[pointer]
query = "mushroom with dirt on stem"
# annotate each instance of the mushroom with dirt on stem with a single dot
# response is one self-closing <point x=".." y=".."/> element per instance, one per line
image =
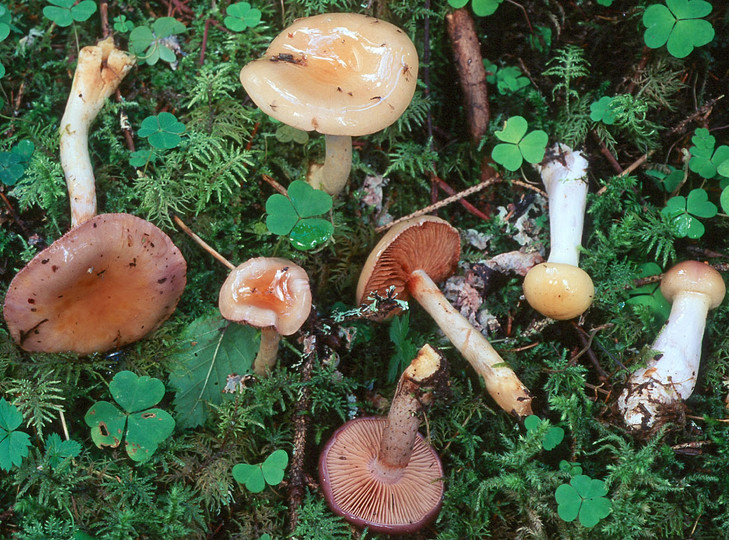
<point x="670" y="375"/>
<point x="379" y="472"/>
<point x="559" y="288"/>
<point x="340" y="74"/>
<point x="411" y="257"/>
<point x="269" y="293"/>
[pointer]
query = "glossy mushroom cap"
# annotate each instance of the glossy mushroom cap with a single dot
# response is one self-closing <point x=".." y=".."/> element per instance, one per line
<point x="356" y="491"/>
<point x="426" y="243"/>
<point x="694" y="277"/>
<point x="267" y="292"/>
<point x="557" y="290"/>
<point x="337" y="73"/>
<point x="106" y="283"/>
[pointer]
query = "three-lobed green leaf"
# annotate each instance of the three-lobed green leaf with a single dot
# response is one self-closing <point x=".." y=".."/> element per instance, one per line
<point x="13" y="444"/>
<point x="64" y="12"/>
<point x="583" y="498"/>
<point x="241" y="16"/>
<point x="163" y="131"/>
<point x="518" y="145"/>
<point x="679" y="25"/>
<point x="553" y="435"/>
<point x="148" y="43"/>
<point x="682" y="212"/>
<point x="295" y="215"/>
<point x="255" y="477"/>
<point x="141" y="425"/>
<point x="705" y="158"/>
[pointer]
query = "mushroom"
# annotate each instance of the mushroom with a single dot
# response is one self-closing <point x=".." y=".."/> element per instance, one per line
<point x="379" y="472"/>
<point x="104" y="284"/>
<point x="411" y="257"/>
<point x="559" y="288"/>
<point x="340" y="74"/>
<point x="271" y="294"/>
<point x="670" y="374"/>
<point x="99" y="71"/>
<point x="114" y="277"/>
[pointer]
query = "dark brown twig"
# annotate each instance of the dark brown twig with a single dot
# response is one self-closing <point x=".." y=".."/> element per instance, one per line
<point x="442" y="184"/>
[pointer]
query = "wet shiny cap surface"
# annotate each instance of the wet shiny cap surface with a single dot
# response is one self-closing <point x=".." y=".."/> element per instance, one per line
<point x="336" y="73"/>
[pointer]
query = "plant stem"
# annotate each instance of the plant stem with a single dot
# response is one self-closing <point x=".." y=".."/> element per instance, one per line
<point x="332" y="176"/>
<point x="203" y="244"/>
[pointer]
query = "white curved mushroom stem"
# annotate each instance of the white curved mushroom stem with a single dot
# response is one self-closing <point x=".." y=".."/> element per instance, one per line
<point x="414" y="392"/>
<point x="501" y="381"/>
<point x="670" y="375"/>
<point x="99" y="71"/>
<point x="267" y="351"/>
<point x="564" y="177"/>
<point x="332" y="175"/>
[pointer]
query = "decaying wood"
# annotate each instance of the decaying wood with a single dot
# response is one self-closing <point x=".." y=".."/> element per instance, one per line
<point x="469" y="62"/>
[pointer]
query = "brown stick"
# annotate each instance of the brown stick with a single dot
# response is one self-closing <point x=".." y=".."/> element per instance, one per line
<point x="203" y="244"/>
<point x="442" y="184"/>
<point x="469" y="62"/>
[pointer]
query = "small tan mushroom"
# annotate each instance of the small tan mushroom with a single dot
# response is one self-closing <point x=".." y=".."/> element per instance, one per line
<point x="104" y="284"/>
<point x="271" y="294"/>
<point x="411" y="257"/>
<point x="379" y="472"/>
<point x="340" y="74"/>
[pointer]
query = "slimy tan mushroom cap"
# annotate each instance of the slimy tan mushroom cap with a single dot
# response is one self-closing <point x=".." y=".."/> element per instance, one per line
<point x="694" y="277"/>
<point x="106" y="283"/>
<point x="336" y="73"/>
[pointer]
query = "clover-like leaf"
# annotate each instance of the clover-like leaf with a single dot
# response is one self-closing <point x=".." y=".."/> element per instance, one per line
<point x="64" y="13"/>
<point x="551" y="437"/>
<point x="705" y="159"/>
<point x="678" y="25"/>
<point x="295" y="215"/>
<point x="724" y="200"/>
<point x="162" y="131"/>
<point x="518" y="144"/>
<point x="650" y="295"/>
<point x="167" y="26"/>
<point x="698" y="204"/>
<point x="484" y="8"/>
<point x="583" y="497"/>
<point x="668" y="181"/>
<point x="241" y="16"/>
<point x="286" y="133"/>
<point x="13" y="444"/>
<point x="601" y="111"/>
<point x="681" y="212"/>
<point x="11" y="168"/>
<point x="147" y="43"/>
<point x="255" y="477"/>
<point x="142" y="426"/>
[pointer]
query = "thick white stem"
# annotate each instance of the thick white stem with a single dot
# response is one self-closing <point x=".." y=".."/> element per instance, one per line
<point x="99" y="71"/>
<point x="501" y="381"/>
<point x="332" y="175"/>
<point x="671" y="375"/>
<point x="564" y="178"/>
<point x="267" y="351"/>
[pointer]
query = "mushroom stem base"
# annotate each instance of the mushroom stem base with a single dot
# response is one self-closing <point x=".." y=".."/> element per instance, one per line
<point x="501" y="381"/>
<point x="332" y="175"/>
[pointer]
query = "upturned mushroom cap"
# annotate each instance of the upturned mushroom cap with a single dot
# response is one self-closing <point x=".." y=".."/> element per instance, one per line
<point x="354" y="490"/>
<point x="267" y="292"/>
<point x="337" y="73"/>
<point x="426" y="243"/>
<point x="557" y="290"/>
<point x="694" y="277"/>
<point x="106" y="283"/>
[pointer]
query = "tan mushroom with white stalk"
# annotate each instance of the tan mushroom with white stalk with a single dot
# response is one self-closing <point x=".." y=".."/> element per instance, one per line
<point x="670" y="374"/>
<point x="269" y="293"/>
<point x="559" y="288"/>
<point x="340" y="74"/>
<point x="379" y="472"/>
<point x="113" y="278"/>
<point x="411" y="257"/>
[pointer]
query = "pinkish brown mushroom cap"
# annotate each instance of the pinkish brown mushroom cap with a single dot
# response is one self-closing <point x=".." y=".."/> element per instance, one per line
<point x="104" y="284"/>
<point x="267" y="292"/>
<point x="354" y="490"/>
<point x="336" y="73"/>
<point x="426" y="243"/>
<point x="694" y="277"/>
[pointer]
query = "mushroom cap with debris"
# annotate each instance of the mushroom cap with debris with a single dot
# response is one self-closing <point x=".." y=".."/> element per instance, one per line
<point x="336" y="73"/>
<point x="104" y="284"/>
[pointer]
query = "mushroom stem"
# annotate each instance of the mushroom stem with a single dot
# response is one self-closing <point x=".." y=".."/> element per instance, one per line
<point x="267" y="351"/>
<point x="564" y="178"/>
<point x="501" y="381"/>
<point x="671" y="374"/>
<point x="414" y="392"/>
<point x="99" y="71"/>
<point x="332" y="175"/>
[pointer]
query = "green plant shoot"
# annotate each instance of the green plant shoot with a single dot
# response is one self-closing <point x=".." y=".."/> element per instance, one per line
<point x="705" y="158"/>
<point x="552" y="436"/>
<point x="241" y="16"/>
<point x="13" y="444"/>
<point x="294" y="215"/>
<point x="141" y="425"/>
<point x="14" y="163"/>
<point x="678" y="25"/>
<point x="149" y="44"/>
<point x="518" y="145"/>
<point x="682" y="213"/>
<point x="255" y="477"/>
<point x="602" y="111"/>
